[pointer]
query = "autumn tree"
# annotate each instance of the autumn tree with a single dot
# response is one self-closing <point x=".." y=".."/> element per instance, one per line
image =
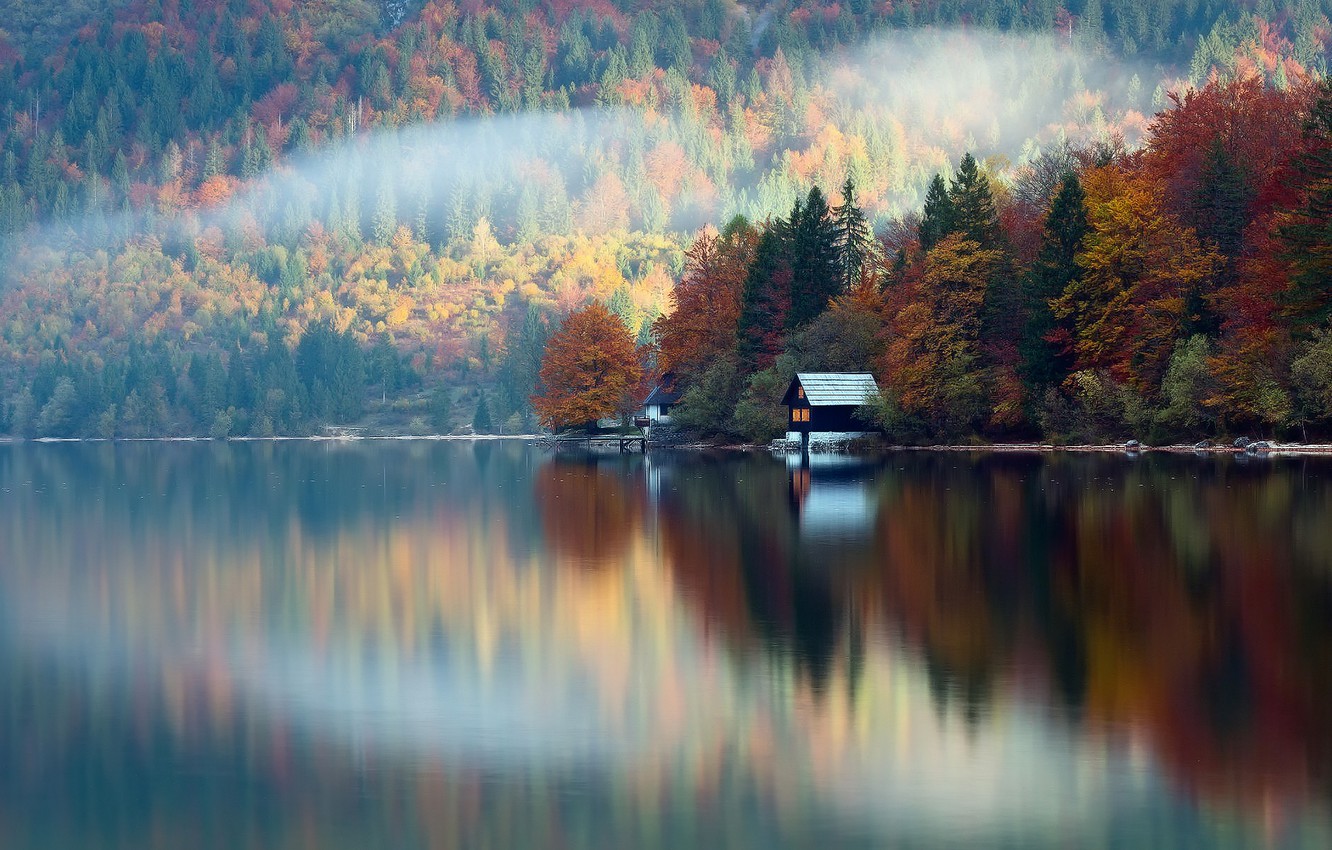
<point x="591" y="370"/>
<point x="705" y="303"/>
<point x="933" y="359"/>
<point x="1139" y="266"/>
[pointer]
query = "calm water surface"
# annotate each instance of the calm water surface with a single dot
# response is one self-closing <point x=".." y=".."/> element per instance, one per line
<point x="478" y="645"/>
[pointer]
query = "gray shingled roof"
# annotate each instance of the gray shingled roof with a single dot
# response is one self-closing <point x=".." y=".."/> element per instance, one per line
<point x="838" y="388"/>
<point x="662" y="394"/>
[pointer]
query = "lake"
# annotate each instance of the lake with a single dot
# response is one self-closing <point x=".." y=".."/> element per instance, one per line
<point x="453" y="644"/>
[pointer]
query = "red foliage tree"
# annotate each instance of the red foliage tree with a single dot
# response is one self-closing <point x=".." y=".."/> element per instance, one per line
<point x="705" y="304"/>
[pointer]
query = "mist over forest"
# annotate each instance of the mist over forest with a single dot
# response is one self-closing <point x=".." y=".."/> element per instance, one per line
<point x="236" y="218"/>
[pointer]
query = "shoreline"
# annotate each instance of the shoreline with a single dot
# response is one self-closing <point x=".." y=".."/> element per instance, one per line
<point x="1272" y="449"/>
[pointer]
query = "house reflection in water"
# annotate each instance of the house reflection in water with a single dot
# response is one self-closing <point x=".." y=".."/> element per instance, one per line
<point x="832" y="497"/>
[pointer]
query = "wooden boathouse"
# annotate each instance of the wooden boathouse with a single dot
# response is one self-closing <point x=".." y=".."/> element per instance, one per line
<point x="822" y="405"/>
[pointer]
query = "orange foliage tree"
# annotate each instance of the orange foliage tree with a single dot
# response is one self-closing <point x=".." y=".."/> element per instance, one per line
<point x="706" y="303"/>
<point x="591" y="369"/>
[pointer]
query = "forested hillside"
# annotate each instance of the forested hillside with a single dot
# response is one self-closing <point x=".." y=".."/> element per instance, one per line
<point x="247" y="218"/>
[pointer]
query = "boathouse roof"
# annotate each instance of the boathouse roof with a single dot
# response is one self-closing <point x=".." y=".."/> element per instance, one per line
<point x="664" y="392"/>
<point x="833" y="389"/>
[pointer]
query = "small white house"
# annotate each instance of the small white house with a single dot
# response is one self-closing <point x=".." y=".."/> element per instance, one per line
<point x="664" y="396"/>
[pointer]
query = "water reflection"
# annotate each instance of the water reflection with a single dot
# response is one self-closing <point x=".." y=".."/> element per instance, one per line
<point x="424" y="644"/>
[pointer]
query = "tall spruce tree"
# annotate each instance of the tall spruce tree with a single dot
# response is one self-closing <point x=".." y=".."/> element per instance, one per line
<point x="938" y="216"/>
<point x="1219" y="212"/>
<point x="972" y="202"/>
<point x="1044" y="362"/>
<point x="766" y="301"/>
<point x="853" y="237"/>
<point x="815" y="276"/>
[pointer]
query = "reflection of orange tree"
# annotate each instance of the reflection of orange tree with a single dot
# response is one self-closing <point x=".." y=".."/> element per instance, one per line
<point x="1110" y="572"/>
<point x="1168" y="608"/>
<point x="1190" y="613"/>
<point x="587" y="514"/>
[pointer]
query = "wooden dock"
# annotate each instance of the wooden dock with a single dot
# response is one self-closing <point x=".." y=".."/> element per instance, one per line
<point x="626" y="443"/>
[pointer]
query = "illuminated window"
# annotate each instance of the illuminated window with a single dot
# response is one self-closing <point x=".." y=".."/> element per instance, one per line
<point x="800" y="392"/>
<point x="800" y="414"/>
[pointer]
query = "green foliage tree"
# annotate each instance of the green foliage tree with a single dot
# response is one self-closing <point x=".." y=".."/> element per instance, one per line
<point x="441" y="409"/>
<point x="1307" y="230"/>
<point x="938" y="217"/>
<point x="481" y="420"/>
<point x="971" y="203"/>
<point x="1311" y="374"/>
<point x="57" y="416"/>
<point x="1188" y="387"/>
<point x="766" y="301"/>
<point x="707" y="405"/>
<point x="1045" y="343"/>
<point x="759" y="414"/>
<point x="853" y="237"/>
<point x="813" y="248"/>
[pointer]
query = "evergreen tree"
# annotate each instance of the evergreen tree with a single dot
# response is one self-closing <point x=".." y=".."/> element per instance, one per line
<point x="385" y="220"/>
<point x="1220" y="212"/>
<point x="766" y="301"/>
<point x="937" y="219"/>
<point x="441" y="409"/>
<point x="214" y="163"/>
<point x="1045" y="362"/>
<point x="1308" y="231"/>
<point x="481" y="422"/>
<point x="853" y="237"/>
<point x="973" y="212"/>
<point x="813" y="249"/>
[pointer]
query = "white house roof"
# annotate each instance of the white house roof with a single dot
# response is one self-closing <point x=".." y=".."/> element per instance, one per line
<point x="838" y="388"/>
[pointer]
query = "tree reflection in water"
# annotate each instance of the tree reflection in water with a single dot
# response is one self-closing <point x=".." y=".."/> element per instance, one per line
<point x="458" y="645"/>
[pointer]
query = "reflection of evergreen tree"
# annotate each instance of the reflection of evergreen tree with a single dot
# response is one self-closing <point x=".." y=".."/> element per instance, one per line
<point x="481" y="421"/>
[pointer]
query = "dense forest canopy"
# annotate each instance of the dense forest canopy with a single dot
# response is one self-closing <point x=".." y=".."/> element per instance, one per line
<point x="190" y="189"/>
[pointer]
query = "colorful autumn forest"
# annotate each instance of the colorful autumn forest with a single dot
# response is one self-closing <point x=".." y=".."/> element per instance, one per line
<point x="245" y="218"/>
<point x="1182" y="290"/>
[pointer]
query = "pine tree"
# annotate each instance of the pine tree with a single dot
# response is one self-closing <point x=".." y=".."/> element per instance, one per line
<point x="973" y="209"/>
<point x="938" y="216"/>
<point x="766" y="301"/>
<point x="815" y="277"/>
<point x="214" y="163"/>
<point x="1307" y="231"/>
<point x="1220" y="212"/>
<point x="481" y="422"/>
<point x="1045" y="362"/>
<point x="385" y="221"/>
<point x="853" y="237"/>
